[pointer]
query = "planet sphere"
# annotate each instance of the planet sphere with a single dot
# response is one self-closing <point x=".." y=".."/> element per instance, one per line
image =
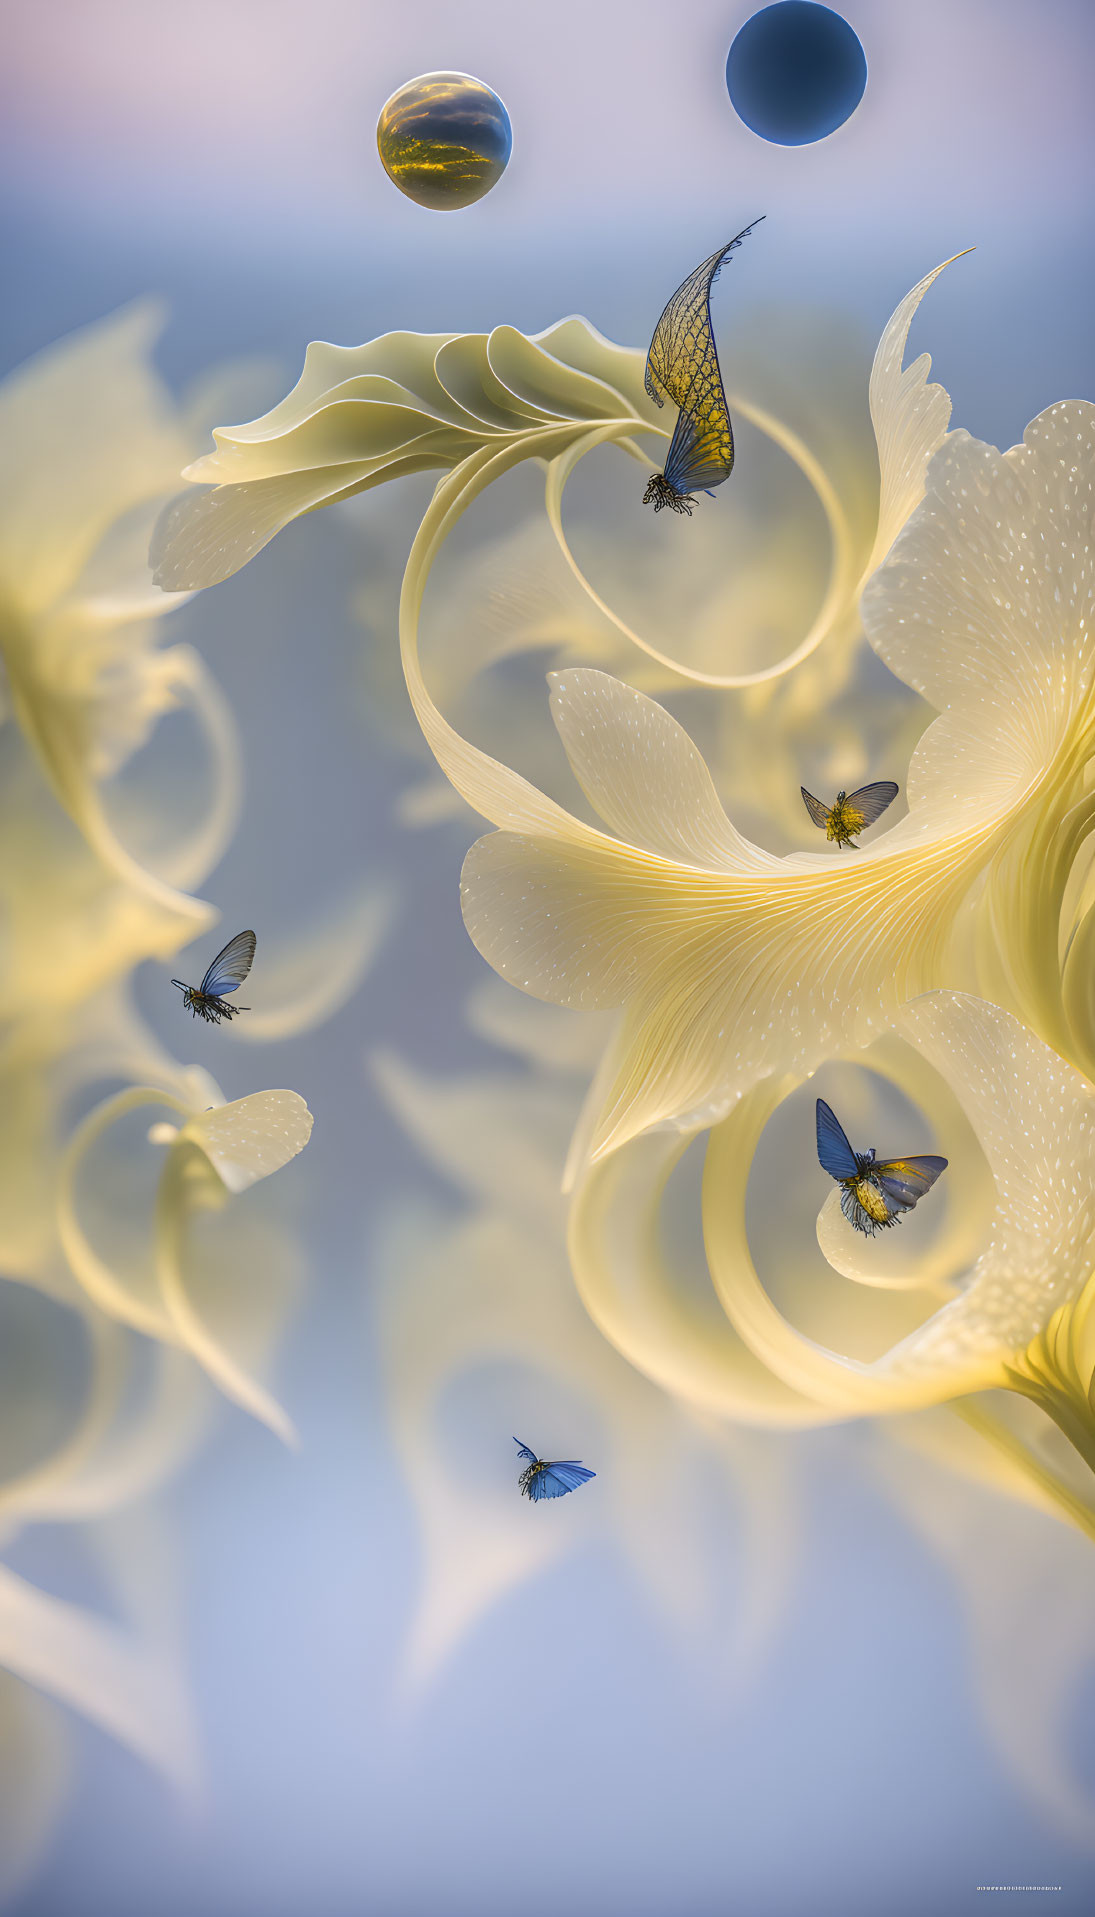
<point x="444" y="140"/>
<point x="795" y="72"/>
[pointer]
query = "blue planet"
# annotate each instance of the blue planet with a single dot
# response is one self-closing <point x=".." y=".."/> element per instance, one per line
<point x="795" y="72"/>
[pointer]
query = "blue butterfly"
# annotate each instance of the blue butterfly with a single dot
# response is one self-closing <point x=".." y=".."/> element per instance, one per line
<point x="226" y="974"/>
<point x="873" y="1196"/>
<point x="683" y="365"/>
<point x="542" y="1480"/>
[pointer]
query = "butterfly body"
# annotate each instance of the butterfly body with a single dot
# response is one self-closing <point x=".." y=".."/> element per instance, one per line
<point x="874" y="1195"/>
<point x="852" y="812"/>
<point x="226" y="974"/>
<point x="683" y="365"/>
<point x="542" y="1478"/>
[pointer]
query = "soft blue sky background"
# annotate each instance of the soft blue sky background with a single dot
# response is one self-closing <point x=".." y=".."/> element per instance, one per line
<point x="570" y="1755"/>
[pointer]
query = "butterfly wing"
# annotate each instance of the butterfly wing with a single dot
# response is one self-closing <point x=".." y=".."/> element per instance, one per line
<point x="683" y="365"/>
<point x="524" y="1452"/>
<point x="230" y="967"/>
<point x="682" y="344"/>
<point x="683" y="336"/>
<point x="905" y="1180"/>
<point x="701" y="452"/>
<point x="819" y="814"/>
<point x="835" y="1155"/>
<point x="871" y="801"/>
<point x="559" y="1477"/>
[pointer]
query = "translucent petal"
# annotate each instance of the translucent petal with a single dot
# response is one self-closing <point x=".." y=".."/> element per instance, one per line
<point x="253" y="1136"/>
<point x="502" y="1139"/>
<point x="543" y="1035"/>
<point x="734" y="963"/>
<point x="642" y="773"/>
<point x="127" y="1688"/>
<point x="1026" y="1586"/>
<point x="86" y="432"/>
<point x="1035" y="1118"/>
<point x="363" y="415"/>
<point x="494" y="1287"/>
<point x="540" y="381"/>
<point x="1032" y="1115"/>
<point x="910" y="418"/>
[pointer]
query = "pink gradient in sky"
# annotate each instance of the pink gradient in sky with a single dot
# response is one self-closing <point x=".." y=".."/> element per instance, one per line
<point x="263" y="109"/>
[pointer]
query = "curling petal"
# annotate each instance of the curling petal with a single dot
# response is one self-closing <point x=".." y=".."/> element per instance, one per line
<point x="642" y="773"/>
<point x="910" y="418"/>
<point x="252" y="1137"/>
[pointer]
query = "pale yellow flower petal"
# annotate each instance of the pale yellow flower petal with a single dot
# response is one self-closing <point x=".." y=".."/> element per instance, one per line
<point x="448" y="1299"/>
<point x="128" y="1689"/>
<point x="220" y="1313"/>
<point x="985" y="606"/>
<point x="938" y="1243"/>
<point x="731" y="963"/>
<point x="252" y="1137"/>
<point x="641" y="772"/>
<point x="493" y="1286"/>
<point x="545" y="1036"/>
<point x="35" y="1764"/>
<point x="118" y="1452"/>
<point x="889" y="1268"/>
<point x="360" y="416"/>
<point x="214" y="1153"/>
<point x="910" y="419"/>
<point x="626" y="1279"/>
<point x="504" y="1140"/>
<point x="1033" y="1116"/>
<point x="91" y="444"/>
<point x="86" y="433"/>
<point x="844" y="572"/>
<point x="1026" y="1586"/>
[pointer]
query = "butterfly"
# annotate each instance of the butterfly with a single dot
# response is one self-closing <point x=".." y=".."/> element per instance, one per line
<point x="542" y="1480"/>
<point x="683" y="364"/>
<point x="226" y="974"/>
<point x="853" y="811"/>
<point x="873" y="1197"/>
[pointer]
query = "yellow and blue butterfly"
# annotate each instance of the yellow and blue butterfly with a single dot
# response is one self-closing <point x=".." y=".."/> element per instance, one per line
<point x="226" y="974"/>
<point x="873" y="1196"/>
<point x="541" y="1479"/>
<point x="853" y="811"/>
<point x="682" y="365"/>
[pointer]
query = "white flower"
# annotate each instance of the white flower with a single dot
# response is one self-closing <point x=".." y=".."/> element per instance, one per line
<point x="1017" y="1309"/>
<point x="89" y="446"/>
<point x="86" y="1456"/>
<point x="490" y="1286"/>
<point x="475" y="406"/>
<point x="219" y="1149"/>
<point x="731" y="964"/>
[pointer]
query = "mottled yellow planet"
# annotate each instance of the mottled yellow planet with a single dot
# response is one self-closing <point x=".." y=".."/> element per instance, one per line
<point x="444" y="139"/>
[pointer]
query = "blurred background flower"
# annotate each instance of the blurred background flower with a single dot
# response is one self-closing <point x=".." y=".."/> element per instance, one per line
<point x="94" y="1423"/>
<point x="480" y="1326"/>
